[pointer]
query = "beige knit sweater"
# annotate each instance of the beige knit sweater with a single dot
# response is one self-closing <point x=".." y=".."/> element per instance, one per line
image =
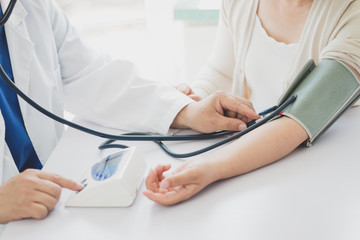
<point x="332" y="31"/>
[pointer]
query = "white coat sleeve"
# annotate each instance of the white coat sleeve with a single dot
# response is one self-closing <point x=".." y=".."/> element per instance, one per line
<point x="217" y="74"/>
<point x="110" y="92"/>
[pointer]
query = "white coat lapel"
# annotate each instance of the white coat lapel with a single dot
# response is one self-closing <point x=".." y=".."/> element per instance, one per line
<point x="21" y="48"/>
<point x="21" y="51"/>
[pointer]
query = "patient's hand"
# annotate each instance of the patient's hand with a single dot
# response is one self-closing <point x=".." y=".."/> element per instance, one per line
<point x="186" y="89"/>
<point x="185" y="182"/>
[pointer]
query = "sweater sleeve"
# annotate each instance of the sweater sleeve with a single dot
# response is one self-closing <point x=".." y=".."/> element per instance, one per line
<point x="217" y="74"/>
<point x="344" y="44"/>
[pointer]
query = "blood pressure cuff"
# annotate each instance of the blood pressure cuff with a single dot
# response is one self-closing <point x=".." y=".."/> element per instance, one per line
<point x="323" y="93"/>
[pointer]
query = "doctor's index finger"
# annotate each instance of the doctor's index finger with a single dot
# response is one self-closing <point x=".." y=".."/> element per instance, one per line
<point x="61" y="181"/>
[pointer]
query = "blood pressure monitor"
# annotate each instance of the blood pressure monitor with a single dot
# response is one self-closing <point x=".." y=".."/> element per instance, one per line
<point x="112" y="182"/>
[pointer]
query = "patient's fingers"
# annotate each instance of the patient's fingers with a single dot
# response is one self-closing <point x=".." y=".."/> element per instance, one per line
<point x="151" y="181"/>
<point x="160" y="169"/>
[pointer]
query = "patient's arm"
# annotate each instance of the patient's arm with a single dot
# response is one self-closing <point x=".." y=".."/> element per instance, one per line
<point x="355" y="72"/>
<point x="258" y="148"/>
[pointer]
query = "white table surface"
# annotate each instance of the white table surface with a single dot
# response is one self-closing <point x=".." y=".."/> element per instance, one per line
<point x="314" y="193"/>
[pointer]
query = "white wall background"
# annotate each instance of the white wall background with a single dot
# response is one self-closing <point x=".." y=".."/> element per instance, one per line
<point x="145" y="32"/>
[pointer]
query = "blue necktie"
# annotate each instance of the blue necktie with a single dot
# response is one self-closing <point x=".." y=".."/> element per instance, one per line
<point x="16" y="136"/>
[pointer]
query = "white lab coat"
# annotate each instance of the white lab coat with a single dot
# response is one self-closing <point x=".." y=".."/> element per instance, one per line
<point x="53" y="66"/>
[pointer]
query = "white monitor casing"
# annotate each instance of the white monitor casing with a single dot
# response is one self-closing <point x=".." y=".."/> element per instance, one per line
<point x="118" y="190"/>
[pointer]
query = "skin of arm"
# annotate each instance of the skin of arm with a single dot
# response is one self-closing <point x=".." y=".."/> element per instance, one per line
<point x="258" y="148"/>
<point x="357" y="74"/>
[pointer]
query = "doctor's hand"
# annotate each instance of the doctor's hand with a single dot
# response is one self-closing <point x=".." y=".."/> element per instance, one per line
<point x="219" y="111"/>
<point x="32" y="194"/>
<point x="185" y="182"/>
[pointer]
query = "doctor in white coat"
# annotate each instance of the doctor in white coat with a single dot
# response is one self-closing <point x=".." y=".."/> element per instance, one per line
<point x="52" y="65"/>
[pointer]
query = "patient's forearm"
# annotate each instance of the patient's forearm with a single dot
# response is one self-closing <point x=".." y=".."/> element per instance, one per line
<point x="258" y="148"/>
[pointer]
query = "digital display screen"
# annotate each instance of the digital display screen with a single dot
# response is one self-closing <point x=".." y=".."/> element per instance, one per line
<point x="107" y="167"/>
